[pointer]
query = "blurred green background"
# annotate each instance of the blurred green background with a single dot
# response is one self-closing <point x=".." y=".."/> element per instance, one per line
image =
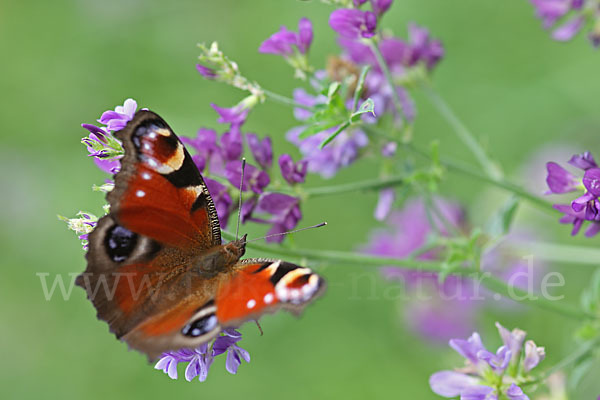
<point x="64" y="62"/>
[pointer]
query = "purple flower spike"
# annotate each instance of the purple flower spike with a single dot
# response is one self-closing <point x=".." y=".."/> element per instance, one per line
<point x="450" y="383"/>
<point x="221" y="198"/>
<point x="236" y="116"/>
<point x="583" y="161"/>
<point x="292" y="172"/>
<point x="380" y="6"/>
<point x="206" y="72"/>
<point x="255" y="179"/>
<point x="560" y="180"/>
<point x="591" y="181"/>
<point x="516" y="393"/>
<point x="352" y="23"/>
<point x="261" y="150"/>
<point x="116" y="120"/>
<point x="498" y="361"/>
<point x="468" y="348"/>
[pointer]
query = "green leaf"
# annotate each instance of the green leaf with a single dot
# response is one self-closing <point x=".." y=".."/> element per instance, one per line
<point x="334" y="134"/>
<point x="319" y="127"/>
<point x="360" y="86"/>
<point x="333" y="90"/>
<point x="502" y="220"/>
<point x="368" y="106"/>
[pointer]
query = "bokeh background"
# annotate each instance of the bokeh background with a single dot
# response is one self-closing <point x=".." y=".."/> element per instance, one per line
<point x="64" y="62"/>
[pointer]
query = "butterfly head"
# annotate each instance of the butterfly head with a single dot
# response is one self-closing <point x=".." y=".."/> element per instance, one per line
<point x="236" y="248"/>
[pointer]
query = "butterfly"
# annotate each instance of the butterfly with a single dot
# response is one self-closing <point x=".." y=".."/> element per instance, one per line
<point x="157" y="271"/>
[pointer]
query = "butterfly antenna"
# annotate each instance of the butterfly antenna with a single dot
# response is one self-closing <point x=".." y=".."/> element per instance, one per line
<point x="237" y="229"/>
<point x="285" y="233"/>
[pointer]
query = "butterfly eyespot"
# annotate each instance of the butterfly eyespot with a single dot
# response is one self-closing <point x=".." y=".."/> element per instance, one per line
<point x="201" y="326"/>
<point x="119" y="243"/>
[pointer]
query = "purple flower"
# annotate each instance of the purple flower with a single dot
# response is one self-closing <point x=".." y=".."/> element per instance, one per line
<point x="585" y="207"/>
<point x="262" y="150"/>
<point x="200" y="359"/>
<point x="236" y="116"/>
<point x="117" y="119"/>
<point x="292" y="172"/>
<point x="285" y="210"/>
<point x="486" y="377"/>
<point x="221" y="198"/>
<point x="205" y="145"/>
<point x="341" y="152"/>
<point x="533" y="355"/>
<point x="235" y="354"/>
<point x="423" y="47"/>
<point x="232" y="145"/>
<point x="353" y="23"/>
<point x="206" y="72"/>
<point x="103" y="147"/>
<point x="384" y="204"/>
<point x="283" y="42"/>
<point x="498" y="361"/>
<point x="380" y="6"/>
<point x="513" y="341"/>
<point x="552" y="11"/>
<point x="255" y="179"/>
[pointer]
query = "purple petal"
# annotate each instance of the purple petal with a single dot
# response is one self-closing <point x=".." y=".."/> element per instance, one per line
<point x="498" y="361"/>
<point x="569" y="29"/>
<point x="305" y="35"/>
<point x="583" y="161"/>
<point x="591" y="181"/>
<point x="516" y="393"/>
<point x="478" y="393"/>
<point x="206" y="72"/>
<point x="560" y="180"/>
<point x="384" y="204"/>
<point x="380" y="6"/>
<point x="280" y="43"/>
<point x="450" y="383"/>
<point x="533" y="355"/>
<point x="235" y="116"/>
<point x="512" y="340"/>
<point x="468" y="348"/>
<point x="292" y="172"/>
<point x="261" y="150"/>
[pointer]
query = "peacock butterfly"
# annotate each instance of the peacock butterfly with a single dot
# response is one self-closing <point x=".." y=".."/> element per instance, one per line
<point x="157" y="271"/>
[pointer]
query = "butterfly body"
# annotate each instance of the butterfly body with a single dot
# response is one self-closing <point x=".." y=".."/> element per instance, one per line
<point x="157" y="271"/>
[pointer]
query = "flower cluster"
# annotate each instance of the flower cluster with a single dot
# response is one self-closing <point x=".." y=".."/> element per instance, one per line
<point x="82" y="226"/>
<point x="199" y="360"/>
<point x="220" y="160"/>
<point x="487" y="375"/>
<point x="586" y="207"/>
<point x="576" y="13"/>
<point x="439" y="310"/>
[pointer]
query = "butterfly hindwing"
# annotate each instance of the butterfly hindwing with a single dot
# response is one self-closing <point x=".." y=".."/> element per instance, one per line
<point x="259" y="286"/>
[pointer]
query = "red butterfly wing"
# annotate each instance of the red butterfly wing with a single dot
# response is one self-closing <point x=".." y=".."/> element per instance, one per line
<point x="159" y="192"/>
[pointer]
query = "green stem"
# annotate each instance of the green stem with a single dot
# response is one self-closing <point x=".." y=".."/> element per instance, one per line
<point x="561" y="252"/>
<point x="388" y="76"/>
<point x="285" y="100"/>
<point x="463" y="133"/>
<point x="581" y="352"/>
<point x="352" y="258"/>
<point x="501" y="183"/>
<point x="372" y="184"/>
